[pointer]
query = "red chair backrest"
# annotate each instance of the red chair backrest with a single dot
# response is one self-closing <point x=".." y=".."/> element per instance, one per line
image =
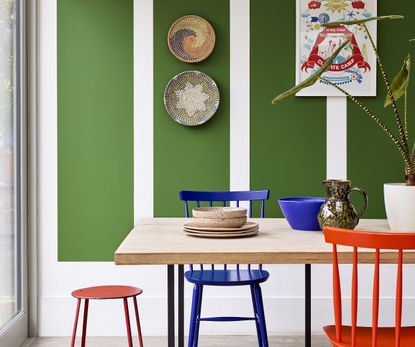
<point x="376" y="241"/>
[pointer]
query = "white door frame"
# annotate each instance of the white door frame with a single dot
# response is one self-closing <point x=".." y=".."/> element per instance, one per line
<point x="32" y="181"/>
<point x="17" y="330"/>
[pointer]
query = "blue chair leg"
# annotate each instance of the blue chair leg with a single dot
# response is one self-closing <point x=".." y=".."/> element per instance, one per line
<point x="261" y="315"/>
<point x="199" y="309"/>
<point x="193" y="315"/>
<point x="258" y="328"/>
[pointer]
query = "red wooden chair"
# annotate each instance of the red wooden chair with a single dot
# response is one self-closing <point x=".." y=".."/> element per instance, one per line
<point x="107" y="293"/>
<point x="354" y="335"/>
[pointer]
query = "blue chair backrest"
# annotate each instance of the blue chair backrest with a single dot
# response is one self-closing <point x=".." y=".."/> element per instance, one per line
<point x="224" y="197"/>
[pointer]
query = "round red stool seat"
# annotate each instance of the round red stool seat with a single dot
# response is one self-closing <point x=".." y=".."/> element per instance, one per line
<point x="106" y="292"/>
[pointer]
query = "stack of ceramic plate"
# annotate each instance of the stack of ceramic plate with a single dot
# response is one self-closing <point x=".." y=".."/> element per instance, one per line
<point x="222" y="222"/>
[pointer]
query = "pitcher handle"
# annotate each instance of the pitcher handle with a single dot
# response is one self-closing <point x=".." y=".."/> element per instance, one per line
<point x="365" y="199"/>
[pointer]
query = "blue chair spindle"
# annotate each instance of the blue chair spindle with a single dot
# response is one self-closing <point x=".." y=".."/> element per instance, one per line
<point x="226" y="277"/>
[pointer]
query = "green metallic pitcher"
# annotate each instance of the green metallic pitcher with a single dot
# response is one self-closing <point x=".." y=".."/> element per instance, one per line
<point x="338" y="211"/>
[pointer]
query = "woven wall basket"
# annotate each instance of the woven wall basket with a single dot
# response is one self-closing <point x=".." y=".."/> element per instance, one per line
<point x="191" y="39"/>
<point x="191" y="98"/>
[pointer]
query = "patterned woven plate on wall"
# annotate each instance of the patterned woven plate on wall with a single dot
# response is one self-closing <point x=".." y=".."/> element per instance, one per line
<point x="191" y="39"/>
<point x="191" y="98"/>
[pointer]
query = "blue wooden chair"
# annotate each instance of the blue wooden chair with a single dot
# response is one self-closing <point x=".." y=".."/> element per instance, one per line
<point x="225" y="276"/>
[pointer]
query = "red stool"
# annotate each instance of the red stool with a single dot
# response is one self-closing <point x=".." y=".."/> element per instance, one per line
<point x="107" y="293"/>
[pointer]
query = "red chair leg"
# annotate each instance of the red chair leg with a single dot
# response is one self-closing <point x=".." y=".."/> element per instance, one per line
<point x="137" y="318"/>
<point x="85" y="322"/>
<point x="75" y="325"/>
<point x="127" y="322"/>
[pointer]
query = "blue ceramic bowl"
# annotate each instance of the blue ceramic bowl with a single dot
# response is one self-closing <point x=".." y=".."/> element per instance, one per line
<point x="301" y="212"/>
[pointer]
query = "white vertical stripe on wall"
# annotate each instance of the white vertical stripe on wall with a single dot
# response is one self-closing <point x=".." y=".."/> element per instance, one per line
<point x="58" y="279"/>
<point x="239" y="95"/>
<point x="336" y="137"/>
<point x="143" y="109"/>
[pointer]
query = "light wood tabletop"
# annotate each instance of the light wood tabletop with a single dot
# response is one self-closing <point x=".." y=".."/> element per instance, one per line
<point x="163" y="241"/>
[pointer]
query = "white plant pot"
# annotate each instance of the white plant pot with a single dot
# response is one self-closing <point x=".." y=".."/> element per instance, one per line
<point x="400" y="206"/>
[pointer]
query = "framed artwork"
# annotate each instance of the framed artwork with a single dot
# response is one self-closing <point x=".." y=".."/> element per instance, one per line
<point x="354" y="69"/>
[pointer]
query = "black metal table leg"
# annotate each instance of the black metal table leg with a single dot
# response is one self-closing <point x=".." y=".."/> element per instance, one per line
<point x="170" y="306"/>
<point x="307" y="305"/>
<point x="180" y="309"/>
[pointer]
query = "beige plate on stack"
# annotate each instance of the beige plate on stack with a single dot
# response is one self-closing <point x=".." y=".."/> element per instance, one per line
<point x="249" y="229"/>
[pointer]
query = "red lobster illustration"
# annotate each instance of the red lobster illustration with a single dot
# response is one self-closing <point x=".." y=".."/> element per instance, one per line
<point x="355" y="59"/>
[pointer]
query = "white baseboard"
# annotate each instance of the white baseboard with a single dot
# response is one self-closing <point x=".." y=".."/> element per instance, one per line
<point x="285" y="316"/>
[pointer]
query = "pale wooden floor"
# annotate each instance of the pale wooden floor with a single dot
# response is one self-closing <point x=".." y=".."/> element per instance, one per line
<point x="205" y="341"/>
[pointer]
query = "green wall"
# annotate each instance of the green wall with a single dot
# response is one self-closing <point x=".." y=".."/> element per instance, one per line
<point x="372" y="157"/>
<point x="288" y="140"/>
<point x="95" y="127"/>
<point x="184" y="157"/>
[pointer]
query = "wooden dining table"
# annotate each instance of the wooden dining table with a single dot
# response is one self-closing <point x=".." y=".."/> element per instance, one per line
<point x="162" y="241"/>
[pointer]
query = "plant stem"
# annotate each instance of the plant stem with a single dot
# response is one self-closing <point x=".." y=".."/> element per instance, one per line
<point x="385" y="79"/>
<point x="394" y="139"/>
<point x="413" y="157"/>
<point x="406" y="117"/>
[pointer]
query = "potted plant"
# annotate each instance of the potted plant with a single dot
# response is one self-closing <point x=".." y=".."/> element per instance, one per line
<point x="399" y="197"/>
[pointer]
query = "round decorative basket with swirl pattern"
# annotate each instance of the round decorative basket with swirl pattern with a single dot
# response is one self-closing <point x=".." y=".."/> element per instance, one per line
<point x="191" y="98"/>
<point x="191" y="39"/>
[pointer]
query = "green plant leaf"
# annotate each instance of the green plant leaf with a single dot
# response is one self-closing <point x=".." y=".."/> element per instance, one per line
<point x="400" y="83"/>
<point x="312" y="79"/>
<point x="360" y="21"/>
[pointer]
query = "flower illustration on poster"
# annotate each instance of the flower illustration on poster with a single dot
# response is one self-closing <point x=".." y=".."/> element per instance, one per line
<point x="354" y="69"/>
